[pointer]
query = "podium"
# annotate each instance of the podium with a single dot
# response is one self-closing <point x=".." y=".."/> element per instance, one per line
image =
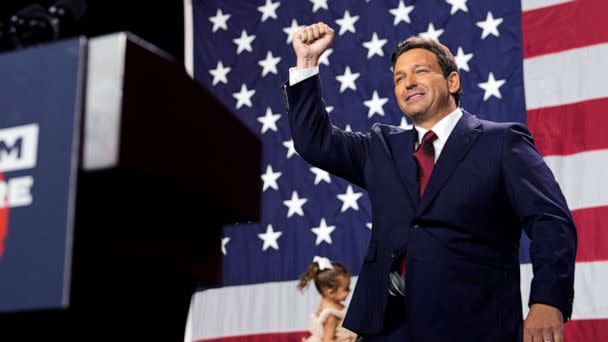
<point x="130" y="168"/>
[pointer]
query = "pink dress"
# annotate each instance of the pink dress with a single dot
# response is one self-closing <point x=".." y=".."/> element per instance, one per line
<point x="316" y="326"/>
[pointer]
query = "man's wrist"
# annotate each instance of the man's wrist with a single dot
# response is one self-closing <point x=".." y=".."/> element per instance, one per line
<point x="304" y="63"/>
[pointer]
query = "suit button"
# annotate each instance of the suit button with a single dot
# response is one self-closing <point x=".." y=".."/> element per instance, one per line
<point x="394" y="254"/>
<point x="416" y="226"/>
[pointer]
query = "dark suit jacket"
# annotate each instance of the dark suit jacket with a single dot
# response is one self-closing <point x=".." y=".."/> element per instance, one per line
<point x="462" y="238"/>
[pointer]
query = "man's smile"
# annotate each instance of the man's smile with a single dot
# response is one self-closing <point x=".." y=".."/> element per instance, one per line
<point x="415" y="97"/>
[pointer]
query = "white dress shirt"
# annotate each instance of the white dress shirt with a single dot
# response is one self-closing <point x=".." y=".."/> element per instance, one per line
<point x="442" y="130"/>
<point x="298" y="75"/>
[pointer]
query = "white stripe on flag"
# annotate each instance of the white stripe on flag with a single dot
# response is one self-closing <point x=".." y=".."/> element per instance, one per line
<point x="278" y="307"/>
<point x="582" y="178"/>
<point x="528" y="5"/>
<point x="566" y="77"/>
<point x="590" y="296"/>
<point x="252" y="309"/>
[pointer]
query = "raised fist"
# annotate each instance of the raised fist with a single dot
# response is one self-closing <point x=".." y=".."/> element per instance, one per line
<point x="310" y="43"/>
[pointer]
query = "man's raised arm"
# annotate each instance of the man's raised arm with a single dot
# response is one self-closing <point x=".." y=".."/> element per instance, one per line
<point x="315" y="139"/>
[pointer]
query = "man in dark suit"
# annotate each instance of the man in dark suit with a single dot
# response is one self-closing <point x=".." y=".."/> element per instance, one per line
<point x="449" y="198"/>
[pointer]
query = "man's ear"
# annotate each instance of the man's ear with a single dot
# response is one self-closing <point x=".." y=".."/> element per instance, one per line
<point x="453" y="82"/>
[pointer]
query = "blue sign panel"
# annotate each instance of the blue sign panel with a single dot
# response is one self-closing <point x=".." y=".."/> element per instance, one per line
<point x="40" y="105"/>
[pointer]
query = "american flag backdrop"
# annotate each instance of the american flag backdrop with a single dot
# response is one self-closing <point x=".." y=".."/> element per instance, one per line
<point x="541" y="62"/>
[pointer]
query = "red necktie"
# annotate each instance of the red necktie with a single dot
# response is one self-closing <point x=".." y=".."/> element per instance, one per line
<point x="425" y="157"/>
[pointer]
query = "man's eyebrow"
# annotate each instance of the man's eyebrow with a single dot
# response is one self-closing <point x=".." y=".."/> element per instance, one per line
<point x="400" y="71"/>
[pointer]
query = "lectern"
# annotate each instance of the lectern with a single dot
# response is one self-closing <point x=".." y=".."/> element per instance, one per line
<point x="117" y="171"/>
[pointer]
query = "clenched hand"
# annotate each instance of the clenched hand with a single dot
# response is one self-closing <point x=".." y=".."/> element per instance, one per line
<point x="310" y="42"/>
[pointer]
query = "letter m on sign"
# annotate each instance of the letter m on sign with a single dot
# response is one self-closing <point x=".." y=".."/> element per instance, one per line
<point x="7" y="150"/>
<point x="18" y="147"/>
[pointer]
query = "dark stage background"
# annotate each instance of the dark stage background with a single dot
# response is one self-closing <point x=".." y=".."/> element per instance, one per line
<point x="159" y="21"/>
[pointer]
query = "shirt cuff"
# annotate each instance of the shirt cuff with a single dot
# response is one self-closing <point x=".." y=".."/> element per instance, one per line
<point x="299" y="75"/>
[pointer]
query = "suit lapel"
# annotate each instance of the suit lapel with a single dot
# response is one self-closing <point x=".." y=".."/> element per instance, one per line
<point x="402" y="146"/>
<point x="461" y="139"/>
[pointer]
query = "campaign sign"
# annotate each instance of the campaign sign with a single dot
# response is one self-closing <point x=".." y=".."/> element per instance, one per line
<point x="40" y="105"/>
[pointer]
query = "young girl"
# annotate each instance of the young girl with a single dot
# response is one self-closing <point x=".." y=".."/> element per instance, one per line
<point x="333" y="283"/>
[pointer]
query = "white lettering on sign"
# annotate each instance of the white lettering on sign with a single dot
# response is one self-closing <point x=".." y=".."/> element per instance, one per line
<point x="18" y="147"/>
<point x="16" y="192"/>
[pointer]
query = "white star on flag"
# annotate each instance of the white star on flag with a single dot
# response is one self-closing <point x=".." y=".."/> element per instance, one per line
<point x="347" y="23"/>
<point x="243" y="43"/>
<point x="269" y="121"/>
<point x="219" y="73"/>
<point x="329" y="109"/>
<point x="291" y="150"/>
<point x="220" y="20"/>
<point x="432" y="33"/>
<point x="225" y="241"/>
<point x="462" y="59"/>
<point x="491" y="87"/>
<point x="347" y="80"/>
<point x="270" y="238"/>
<point x="375" y="105"/>
<point x="243" y="97"/>
<point x="369" y="225"/>
<point x="323" y="232"/>
<point x="294" y="205"/>
<point x="269" y="10"/>
<point x="317" y="4"/>
<point x="269" y="64"/>
<point x="457" y="5"/>
<point x="348" y="128"/>
<point x="490" y="26"/>
<point x="270" y="178"/>
<point x="401" y="13"/>
<point x="324" y="58"/>
<point x="291" y="31"/>
<point x="349" y="199"/>
<point x="374" y="46"/>
<point x="320" y="175"/>
<point x="404" y="124"/>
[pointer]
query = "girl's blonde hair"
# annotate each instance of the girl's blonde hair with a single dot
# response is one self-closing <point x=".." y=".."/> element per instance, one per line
<point x="325" y="279"/>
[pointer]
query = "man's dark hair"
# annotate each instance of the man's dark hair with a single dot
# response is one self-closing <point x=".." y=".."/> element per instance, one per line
<point x="445" y="59"/>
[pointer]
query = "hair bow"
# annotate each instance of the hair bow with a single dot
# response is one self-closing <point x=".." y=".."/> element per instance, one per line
<point x="324" y="263"/>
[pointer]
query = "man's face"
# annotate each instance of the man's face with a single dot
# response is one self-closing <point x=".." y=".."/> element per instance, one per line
<point x="421" y="90"/>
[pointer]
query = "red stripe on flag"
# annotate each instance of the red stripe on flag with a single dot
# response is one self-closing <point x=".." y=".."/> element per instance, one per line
<point x="569" y="129"/>
<point x="563" y="27"/>
<point x="295" y="336"/>
<point x="592" y="230"/>
<point x="575" y="331"/>
<point x="3" y="220"/>
<point x="586" y="330"/>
